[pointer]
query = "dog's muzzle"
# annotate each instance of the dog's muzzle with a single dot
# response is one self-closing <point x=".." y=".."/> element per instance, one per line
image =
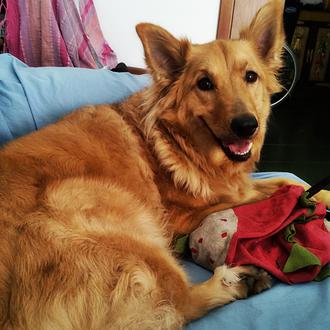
<point x="239" y="149"/>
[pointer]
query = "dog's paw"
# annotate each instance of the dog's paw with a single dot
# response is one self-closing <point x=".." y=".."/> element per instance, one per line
<point x="324" y="197"/>
<point x="243" y="281"/>
<point x="228" y="276"/>
<point x="230" y="282"/>
<point x="257" y="280"/>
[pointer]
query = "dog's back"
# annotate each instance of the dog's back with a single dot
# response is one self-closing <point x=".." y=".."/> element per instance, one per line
<point x="79" y="213"/>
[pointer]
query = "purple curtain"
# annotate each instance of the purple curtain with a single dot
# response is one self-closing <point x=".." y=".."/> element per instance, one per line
<point x="57" y="33"/>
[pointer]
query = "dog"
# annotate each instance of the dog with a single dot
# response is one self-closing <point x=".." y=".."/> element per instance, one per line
<point x="90" y="205"/>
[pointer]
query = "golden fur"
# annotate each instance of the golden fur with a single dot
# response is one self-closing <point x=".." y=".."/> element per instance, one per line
<point x="89" y="205"/>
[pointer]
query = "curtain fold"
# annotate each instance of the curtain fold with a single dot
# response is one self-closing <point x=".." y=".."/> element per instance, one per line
<point x="2" y="24"/>
<point x="57" y="33"/>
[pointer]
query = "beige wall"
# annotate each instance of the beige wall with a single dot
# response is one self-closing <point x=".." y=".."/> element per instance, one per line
<point x="196" y="19"/>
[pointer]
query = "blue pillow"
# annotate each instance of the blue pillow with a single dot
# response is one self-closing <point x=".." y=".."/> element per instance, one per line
<point x="31" y="98"/>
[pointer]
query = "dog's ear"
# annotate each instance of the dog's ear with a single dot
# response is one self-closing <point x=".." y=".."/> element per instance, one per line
<point x="165" y="55"/>
<point x="267" y="33"/>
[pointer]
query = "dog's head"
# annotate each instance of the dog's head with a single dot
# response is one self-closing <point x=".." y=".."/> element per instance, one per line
<point x="217" y="95"/>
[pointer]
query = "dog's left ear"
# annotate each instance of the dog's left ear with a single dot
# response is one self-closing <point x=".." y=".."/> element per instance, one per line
<point x="164" y="54"/>
<point x="267" y="33"/>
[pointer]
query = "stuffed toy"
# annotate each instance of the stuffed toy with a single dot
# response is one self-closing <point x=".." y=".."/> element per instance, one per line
<point x="284" y="234"/>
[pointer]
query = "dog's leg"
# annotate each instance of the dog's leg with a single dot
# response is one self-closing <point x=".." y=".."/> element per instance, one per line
<point x="226" y="285"/>
<point x="260" y="190"/>
<point x="266" y="187"/>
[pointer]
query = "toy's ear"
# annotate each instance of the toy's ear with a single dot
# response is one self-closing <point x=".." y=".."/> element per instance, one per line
<point x="267" y="34"/>
<point x="165" y="55"/>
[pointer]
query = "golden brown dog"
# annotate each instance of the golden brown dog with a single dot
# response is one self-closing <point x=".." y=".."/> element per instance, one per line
<point x="88" y="206"/>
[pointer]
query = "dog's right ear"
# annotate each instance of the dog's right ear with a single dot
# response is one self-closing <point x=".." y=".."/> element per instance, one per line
<point x="267" y="33"/>
<point x="165" y="55"/>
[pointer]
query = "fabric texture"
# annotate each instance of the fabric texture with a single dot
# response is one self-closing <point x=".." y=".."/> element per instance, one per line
<point x="31" y="98"/>
<point x="56" y="33"/>
<point x="209" y="243"/>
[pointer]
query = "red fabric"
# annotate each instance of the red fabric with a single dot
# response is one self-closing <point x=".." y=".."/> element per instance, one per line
<point x="260" y="239"/>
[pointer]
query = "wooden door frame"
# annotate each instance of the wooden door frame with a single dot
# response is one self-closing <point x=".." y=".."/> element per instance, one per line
<point x="225" y="19"/>
<point x="235" y="14"/>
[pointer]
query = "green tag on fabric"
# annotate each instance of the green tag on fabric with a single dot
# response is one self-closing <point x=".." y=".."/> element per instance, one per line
<point x="299" y="258"/>
<point x="323" y="274"/>
<point x="180" y="244"/>
<point x="305" y="202"/>
<point x="290" y="232"/>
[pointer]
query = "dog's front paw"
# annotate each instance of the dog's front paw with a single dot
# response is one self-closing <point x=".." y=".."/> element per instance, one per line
<point x="324" y="197"/>
<point x="243" y="281"/>
<point x="257" y="280"/>
<point x="230" y="280"/>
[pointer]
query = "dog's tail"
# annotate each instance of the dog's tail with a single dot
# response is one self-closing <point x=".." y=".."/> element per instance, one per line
<point x="137" y="305"/>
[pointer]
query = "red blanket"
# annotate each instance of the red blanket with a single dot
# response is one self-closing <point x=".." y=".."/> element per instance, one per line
<point x="284" y="234"/>
<point x="279" y="234"/>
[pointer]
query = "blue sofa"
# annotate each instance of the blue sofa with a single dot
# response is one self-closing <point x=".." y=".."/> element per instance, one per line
<point x="31" y="98"/>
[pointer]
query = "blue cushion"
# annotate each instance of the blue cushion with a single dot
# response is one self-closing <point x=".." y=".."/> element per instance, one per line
<point x="31" y="98"/>
<point x="283" y="307"/>
<point x="15" y="114"/>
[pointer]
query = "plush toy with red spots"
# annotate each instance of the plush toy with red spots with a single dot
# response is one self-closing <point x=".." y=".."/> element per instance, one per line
<point x="284" y="234"/>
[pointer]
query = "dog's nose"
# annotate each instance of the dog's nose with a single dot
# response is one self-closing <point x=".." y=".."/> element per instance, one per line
<point x="244" y="126"/>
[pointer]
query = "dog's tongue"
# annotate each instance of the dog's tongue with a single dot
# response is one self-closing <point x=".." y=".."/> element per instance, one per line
<point x="239" y="147"/>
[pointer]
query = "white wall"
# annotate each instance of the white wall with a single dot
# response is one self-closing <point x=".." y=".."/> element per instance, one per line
<point x="195" y="19"/>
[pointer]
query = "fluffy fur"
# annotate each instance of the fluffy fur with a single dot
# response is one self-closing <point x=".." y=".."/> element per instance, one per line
<point x="89" y="205"/>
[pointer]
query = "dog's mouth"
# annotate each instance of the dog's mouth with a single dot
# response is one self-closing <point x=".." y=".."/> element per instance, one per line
<point x="239" y="150"/>
<point x="236" y="149"/>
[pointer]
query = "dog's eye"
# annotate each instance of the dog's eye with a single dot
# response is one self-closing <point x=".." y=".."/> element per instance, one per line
<point x="205" y="84"/>
<point x="251" y="77"/>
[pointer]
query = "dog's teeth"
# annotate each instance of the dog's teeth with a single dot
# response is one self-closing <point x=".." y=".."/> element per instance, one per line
<point x="245" y="152"/>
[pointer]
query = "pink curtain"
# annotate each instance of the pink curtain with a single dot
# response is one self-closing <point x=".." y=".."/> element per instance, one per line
<point x="57" y="33"/>
<point x="2" y="23"/>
